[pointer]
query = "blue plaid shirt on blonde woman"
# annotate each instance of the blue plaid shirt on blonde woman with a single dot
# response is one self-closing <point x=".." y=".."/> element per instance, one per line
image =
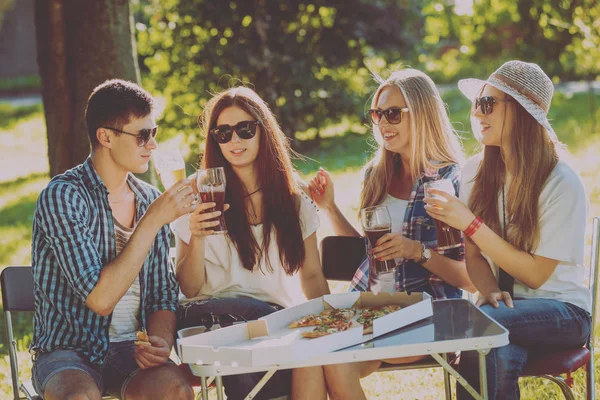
<point x="418" y="225"/>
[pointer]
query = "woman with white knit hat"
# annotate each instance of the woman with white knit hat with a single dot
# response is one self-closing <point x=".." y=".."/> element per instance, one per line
<point x="524" y="224"/>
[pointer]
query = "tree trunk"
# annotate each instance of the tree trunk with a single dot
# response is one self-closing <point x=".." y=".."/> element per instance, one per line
<point x="80" y="44"/>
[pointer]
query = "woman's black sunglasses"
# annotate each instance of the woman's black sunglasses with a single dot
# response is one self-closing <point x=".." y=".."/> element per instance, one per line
<point x="143" y="136"/>
<point x="244" y="129"/>
<point x="393" y="115"/>
<point x="487" y="103"/>
<point x="223" y="320"/>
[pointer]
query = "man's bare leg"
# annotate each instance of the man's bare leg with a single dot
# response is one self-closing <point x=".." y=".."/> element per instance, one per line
<point x="164" y="382"/>
<point x="72" y="384"/>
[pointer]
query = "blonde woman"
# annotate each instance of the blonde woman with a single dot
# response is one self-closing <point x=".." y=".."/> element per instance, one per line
<point x="525" y="220"/>
<point x="416" y="145"/>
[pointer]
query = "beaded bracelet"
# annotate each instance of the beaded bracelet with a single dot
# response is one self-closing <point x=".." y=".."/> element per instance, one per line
<point x="475" y="225"/>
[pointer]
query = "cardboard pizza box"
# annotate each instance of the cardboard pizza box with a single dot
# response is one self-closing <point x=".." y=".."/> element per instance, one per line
<point x="269" y="340"/>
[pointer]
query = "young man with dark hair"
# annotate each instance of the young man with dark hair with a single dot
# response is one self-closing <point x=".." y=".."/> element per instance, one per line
<point x="101" y="264"/>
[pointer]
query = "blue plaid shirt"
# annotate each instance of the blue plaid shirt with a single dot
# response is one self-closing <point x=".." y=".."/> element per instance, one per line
<point x="73" y="238"/>
<point x="418" y="225"/>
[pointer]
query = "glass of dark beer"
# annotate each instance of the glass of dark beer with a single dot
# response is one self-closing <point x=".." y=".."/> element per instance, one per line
<point x="211" y="188"/>
<point x="446" y="235"/>
<point x="376" y="222"/>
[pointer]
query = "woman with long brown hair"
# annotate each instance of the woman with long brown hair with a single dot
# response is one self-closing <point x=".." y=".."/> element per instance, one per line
<point x="525" y="224"/>
<point x="268" y="259"/>
<point x="417" y="144"/>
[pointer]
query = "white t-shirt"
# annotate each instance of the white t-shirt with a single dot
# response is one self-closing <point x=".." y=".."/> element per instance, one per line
<point x="563" y="210"/>
<point x="125" y="321"/>
<point x="226" y="275"/>
<point x="386" y="282"/>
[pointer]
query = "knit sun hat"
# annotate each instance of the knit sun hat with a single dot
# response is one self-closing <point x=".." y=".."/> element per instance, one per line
<point x="524" y="82"/>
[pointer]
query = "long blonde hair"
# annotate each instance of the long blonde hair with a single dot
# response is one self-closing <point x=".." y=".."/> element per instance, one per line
<point x="532" y="157"/>
<point x="434" y="143"/>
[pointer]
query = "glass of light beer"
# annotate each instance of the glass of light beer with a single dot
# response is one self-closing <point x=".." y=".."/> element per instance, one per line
<point x="376" y="222"/>
<point x="170" y="166"/>
<point x="211" y="189"/>
<point x="446" y="235"/>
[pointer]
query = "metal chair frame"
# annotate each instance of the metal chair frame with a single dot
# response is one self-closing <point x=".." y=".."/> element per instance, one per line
<point x="562" y="383"/>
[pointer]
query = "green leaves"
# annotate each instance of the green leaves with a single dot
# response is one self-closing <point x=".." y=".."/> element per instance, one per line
<point x="304" y="58"/>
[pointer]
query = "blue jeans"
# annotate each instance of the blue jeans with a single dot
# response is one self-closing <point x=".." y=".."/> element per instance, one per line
<point x="119" y="368"/>
<point x="238" y="386"/>
<point x="534" y="326"/>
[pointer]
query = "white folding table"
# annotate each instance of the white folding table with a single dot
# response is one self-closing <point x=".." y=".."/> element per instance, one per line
<point x="456" y="325"/>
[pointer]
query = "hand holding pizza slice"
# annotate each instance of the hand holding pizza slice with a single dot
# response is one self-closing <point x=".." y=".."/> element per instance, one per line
<point x="143" y="338"/>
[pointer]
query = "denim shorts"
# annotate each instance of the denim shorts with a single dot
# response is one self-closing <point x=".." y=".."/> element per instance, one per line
<point x="112" y="378"/>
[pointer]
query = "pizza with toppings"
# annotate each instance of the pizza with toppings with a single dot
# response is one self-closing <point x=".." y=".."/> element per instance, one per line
<point x="340" y="319"/>
<point x="309" y="320"/>
<point x="368" y="314"/>
<point x="328" y="329"/>
<point x="325" y="317"/>
<point x="337" y="313"/>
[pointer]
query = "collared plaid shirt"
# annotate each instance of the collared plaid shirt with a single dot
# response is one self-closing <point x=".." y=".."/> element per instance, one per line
<point x="418" y="225"/>
<point x="73" y="238"/>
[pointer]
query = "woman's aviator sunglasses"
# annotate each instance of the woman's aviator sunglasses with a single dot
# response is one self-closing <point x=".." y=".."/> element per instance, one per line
<point x="393" y="115"/>
<point x="244" y="129"/>
<point x="487" y="103"/>
<point x="143" y="136"/>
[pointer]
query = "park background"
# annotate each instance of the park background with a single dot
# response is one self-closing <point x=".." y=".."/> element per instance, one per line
<point x="311" y="60"/>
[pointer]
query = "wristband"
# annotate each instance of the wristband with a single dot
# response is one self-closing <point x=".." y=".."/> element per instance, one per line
<point x="475" y="225"/>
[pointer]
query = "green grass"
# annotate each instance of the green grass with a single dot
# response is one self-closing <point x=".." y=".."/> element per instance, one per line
<point x="29" y="82"/>
<point x="343" y="150"/>
<point x="10" y="115"/>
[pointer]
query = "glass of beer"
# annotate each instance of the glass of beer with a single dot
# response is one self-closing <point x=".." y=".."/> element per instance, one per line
<point x="211" y="189"/>
<point x="376" y="222"/>
<point x="446" y="235"/>
<point x="170" y="166"/>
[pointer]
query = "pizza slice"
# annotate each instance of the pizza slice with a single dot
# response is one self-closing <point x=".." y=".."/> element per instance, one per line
<point x="344" y="313"/>
<point x="309" y="320"/>
<point x="369" y="314"/>
<point x="328" y="329"/>
<point x="325" y="317"/>
<point x="143" y="338"/>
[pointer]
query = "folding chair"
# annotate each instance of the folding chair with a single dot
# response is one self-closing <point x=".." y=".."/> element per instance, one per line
<point x="340" y="257"/>
<point x="552" y="366"/>
<point x="17" y="295"/>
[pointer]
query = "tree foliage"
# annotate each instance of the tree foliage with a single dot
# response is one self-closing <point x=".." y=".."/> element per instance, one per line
<point x="311" y="60"/>
<point x="563" y="36"/>
<point x="305" y="58"/>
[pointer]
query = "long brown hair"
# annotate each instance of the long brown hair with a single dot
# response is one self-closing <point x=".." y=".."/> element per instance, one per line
<point x="532" y="156"/>
<point x="280" y="208"/>
<point x="434" y="143"/>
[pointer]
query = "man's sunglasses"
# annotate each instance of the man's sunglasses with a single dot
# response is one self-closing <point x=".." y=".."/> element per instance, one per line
<point x="143" y="136"/>
<point x="486" y="103"/>
<point x="393" y="115"/>
<point x="223" y="320"/>
<point x="244" y="129"/>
